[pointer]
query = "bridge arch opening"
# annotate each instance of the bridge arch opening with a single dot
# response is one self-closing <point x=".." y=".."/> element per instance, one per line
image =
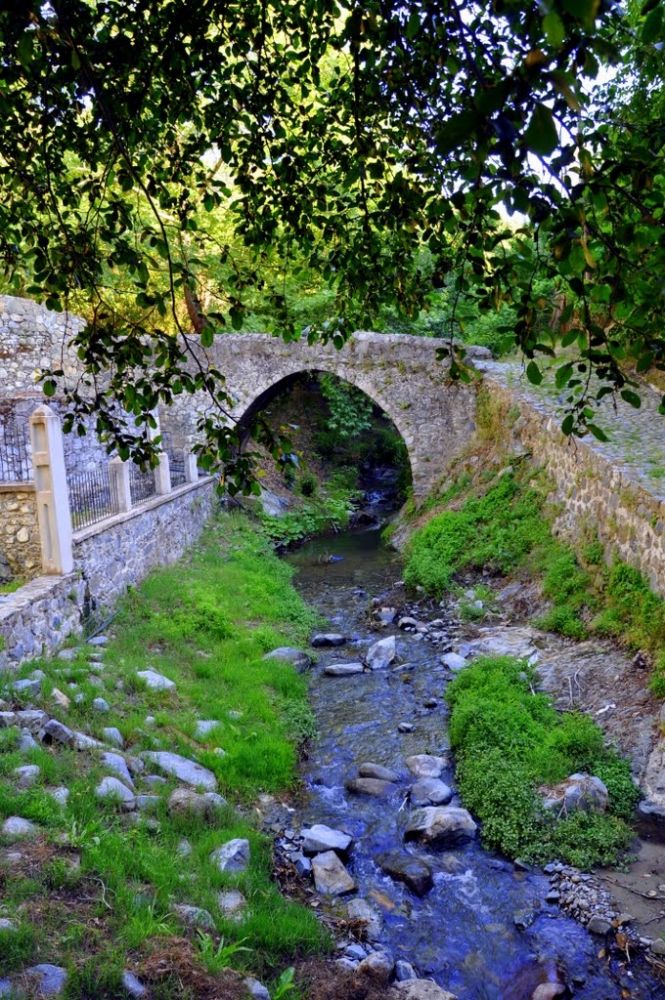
<point x="340" y="437"/>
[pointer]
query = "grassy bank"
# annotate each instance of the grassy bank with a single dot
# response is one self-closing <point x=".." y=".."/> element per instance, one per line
<point x="96" y="891"/>
<point x="501" y="521"/>
<point x="508" y="742"/>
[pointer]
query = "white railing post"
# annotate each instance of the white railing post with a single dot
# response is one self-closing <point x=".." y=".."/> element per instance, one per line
<point x="53" y="511"/>
<point x="119" y="480"/>
<point x="163" y="468"/>
<point x="191" y="468"/>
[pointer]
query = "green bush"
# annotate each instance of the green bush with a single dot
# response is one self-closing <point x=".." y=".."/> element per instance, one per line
<point x="509" y="741"/>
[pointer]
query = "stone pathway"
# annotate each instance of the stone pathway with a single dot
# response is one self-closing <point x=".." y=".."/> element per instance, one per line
<point x="637" y="437"/>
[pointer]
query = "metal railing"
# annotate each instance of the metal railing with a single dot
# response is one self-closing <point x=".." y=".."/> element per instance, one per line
<point x="141" y="483"/>
<point x="176" y="460"/>
<point x="15" y="455"/>
<point x="90" y="496"/>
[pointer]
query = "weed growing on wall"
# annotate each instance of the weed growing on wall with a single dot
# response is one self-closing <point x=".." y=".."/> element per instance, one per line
<point x="509" y="741"/>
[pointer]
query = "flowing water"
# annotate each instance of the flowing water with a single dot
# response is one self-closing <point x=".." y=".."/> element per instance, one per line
<point x="463" y="933"/>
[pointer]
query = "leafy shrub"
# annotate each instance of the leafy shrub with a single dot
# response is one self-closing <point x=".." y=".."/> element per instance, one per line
<point x="509" y="741"/>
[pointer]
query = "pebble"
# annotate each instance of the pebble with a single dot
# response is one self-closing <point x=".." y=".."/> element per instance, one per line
<point x="155" y="681"/>
<point x="114" y="790"/>
<point x="204" y="727"/>
<point x="330" y="876"/>
<point x="232" y="904"/>
<point x="424" y="765"/>
<point x="98" y="640"/>
<point x="324" y="639"/>
<point x="405" y="727"/>
<point x="343" y="669"/>
<point x="320" y="838"/>
<point x="256" y="989"/>
<point x="60" y="794"/>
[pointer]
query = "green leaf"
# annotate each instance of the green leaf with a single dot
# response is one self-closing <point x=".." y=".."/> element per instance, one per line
<point x="533" y="373"/>
<point x="652" y="26"/>
<point x="554" y="29"/>
<point x="585" y="10"/>
<point x="631" y="397"/>
<point x="597" y="432"/>
<point x="49" y="387"/>
<point x="541" y="135"/>
<point x="567" y="424"/>
<point x="563" y="374"/>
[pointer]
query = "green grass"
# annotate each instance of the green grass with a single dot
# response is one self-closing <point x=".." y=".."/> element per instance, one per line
<point x="508" y="742"/>
<point x="506" y="528"/>
<point x="11" y="587"/>
<point x="205" y="622"/>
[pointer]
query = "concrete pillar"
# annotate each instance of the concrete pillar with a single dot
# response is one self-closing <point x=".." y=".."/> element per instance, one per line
<point x="163" y="474"/>
<point x="119" y="480"/>
<point x="191" y="468"/>
<point x="162" y="469"/>
<point x="53" y="511"/>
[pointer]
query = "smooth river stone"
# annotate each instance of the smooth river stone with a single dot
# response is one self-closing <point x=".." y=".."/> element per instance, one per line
<point x="421" y="989"/>
<point x="370" y="786"/>
<point x="381" y="654"/>
<point x="320" y="838"/>
<point x="328" y="639"/>
<point x="430" y="792"/>
<point x="343" y="669"/>
<point x="288" y="654"/>
<point x="440" y="826"/>
<point x="233" y="856"/>
<point x="369" y="770"/>
<point x="330" y="875"/>
<point x="414" y="872"/>
<point x="182" y="768"/>
<point x="423" y="765"/>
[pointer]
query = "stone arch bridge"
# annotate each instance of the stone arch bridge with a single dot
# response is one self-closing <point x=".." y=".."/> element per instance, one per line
<point x="401" y="374"/>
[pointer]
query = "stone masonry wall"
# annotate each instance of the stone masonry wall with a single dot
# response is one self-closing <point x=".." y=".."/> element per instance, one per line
<point x="33" y="338"/>
<point x="596" y="496"/>
<point x="109" y="557"/>
<point x="19" y="531"/>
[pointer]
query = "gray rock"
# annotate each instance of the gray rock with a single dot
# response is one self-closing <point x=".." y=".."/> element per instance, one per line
<point x="29" y="686"/>
<point x="233" y="856"/>
<point x="302" y="865"/>
<point x="328" y="639"/>
<point x="404" y="971"/>
<point x="8" y="719"/>
<point x="185" y="802"/>
<point x="67" y="655"/>
<point x="378" y="966"/>
<point x="113" y="789"/>
<point x="320" y="838"/>
<point x="132" y="985"/>
<point x="430" y="792"/>
<point x="182" y="768"/>
<point x="27" y="775"/>
<point x="657" y="946"/>
<point x="343" y="669"/>
<point x="204" y="727"/>
<point x="578" y="793"/>
<point x="296" y="657"/>
<point x="155" y="681"/>
<point x="232" y="904"/>
<point x="407" y="622"/>
<point x="81" y="741"/>
<point x="33" y="718"/>
<point x="369" y="770"/>
<point x="147" y="803"/>
<point x="60" y="794"/>
<point x="361" y="911"/>
<point x="194" y="916"/>
<point x="421" y="989"/>
<point x="381" y="654"/>
<point x="184" y="848"/>
<point x="113" y="736"/>
<point x="424" y="765"/>
<point x="405" y="727"/>
<point x="256" y="989"/>
<point x="6" y="988"/>
<point x="406" y="868"/>
<point x="440" y="826"/>
<point x="599" y="925"/>
<point x="356" y="952"/>
<point x="17" y="828"/>
<point x="6" y="924"/>
<point x="27" y="741"/>
<point x="114" y="762"/>
<point x="369" y="786"/>
<point x="50" y="980"/>
<point x="453" y="661"/>
<point x="98" y="640"/>
<point x="154" y="781"/>
<point x="101" y="705"/>
<point x="330" y="876"/>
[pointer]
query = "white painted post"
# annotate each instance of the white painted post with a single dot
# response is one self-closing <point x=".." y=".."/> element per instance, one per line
<point x="162" y="469"/>
<point x="191" y="468"/>
<point x="53" y="511"/>
<point x="119" y="479"/>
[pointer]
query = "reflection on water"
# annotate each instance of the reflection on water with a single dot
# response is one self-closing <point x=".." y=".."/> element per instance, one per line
<point x="463" y="933"/>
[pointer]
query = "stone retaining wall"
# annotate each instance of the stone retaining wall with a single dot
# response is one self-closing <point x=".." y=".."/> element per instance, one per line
<point x="109" y="557"/>
<point x="19" y="531"/>
<point x="33" y="338"/>
<point x="596" y="496"/>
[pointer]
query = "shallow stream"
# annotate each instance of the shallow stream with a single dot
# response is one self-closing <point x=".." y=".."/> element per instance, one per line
<point x="464" y="933"/>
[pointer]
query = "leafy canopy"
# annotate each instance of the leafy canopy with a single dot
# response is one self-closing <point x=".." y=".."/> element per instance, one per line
<point x="151" y="153"/>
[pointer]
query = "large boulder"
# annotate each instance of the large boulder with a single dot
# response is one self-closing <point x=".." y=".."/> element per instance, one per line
<point x="330" y="875"/>
<point x="381" y="654"/>
<point x="182" y="768"/>
<point x="440" y="826"/>
<point x="370" y="770"/>
<point x="320" y="838"/>
<point x="403" y="867"/>
<point x="424" y="765"/>
<point x="578" y="793"/>
<point x="287" y="654"/>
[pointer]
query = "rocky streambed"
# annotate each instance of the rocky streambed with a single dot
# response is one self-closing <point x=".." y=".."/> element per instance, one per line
<point x="382" y="844"/>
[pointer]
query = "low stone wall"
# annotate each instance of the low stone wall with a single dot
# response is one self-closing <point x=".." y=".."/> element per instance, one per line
<point x="19" y="530"/>
<point x="109" y="557"/>
<point x="596" y="496"/>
